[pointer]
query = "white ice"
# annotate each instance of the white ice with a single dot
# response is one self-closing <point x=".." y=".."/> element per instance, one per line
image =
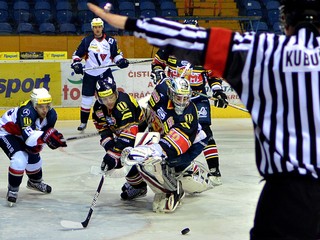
<point x="223" y="213"/>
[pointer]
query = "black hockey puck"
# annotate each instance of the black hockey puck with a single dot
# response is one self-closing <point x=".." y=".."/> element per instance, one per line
<point x="185" y="231"/>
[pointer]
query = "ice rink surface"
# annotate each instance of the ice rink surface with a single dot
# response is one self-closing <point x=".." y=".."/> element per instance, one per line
<point x="223" y="213"/>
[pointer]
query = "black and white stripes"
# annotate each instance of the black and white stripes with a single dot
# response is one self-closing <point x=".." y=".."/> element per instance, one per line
<point x="276" y="77"/>
<point x="280" y="87"/>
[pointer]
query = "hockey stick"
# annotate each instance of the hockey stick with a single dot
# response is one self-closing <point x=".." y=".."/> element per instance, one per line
<point x="81" y="225"/>
<point x="185" y="70"/>
<point x="114" y="65"/>
<point x="230" y="104"/>
<point x="83" y="136"/>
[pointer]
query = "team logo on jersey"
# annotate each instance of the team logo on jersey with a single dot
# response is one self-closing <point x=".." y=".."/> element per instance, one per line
<point x="122" y="106"/>
<point x="202" y="112"/>
<point x="188" y="118"/>
<point x="103" y="56"/>
<point x="161" y="113"/>
<point x="25" y="112"/>
<point x="27" y="121"/>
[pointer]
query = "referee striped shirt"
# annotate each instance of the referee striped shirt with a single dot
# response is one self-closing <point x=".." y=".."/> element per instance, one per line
<point x="276" y="77"/>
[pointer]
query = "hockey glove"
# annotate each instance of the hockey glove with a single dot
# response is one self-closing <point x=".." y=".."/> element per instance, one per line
<point x="122" y="63"/>
<point x="77" y="66"/>
<point x="157" y="74"/>
<point x="110" y="161"/>
<point x="107" y="143"/>
<point x="53" y="139"/>
<point x="221" y="100"/>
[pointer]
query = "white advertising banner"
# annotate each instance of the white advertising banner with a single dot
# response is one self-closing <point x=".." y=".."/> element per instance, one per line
<point x="134" y="80"/>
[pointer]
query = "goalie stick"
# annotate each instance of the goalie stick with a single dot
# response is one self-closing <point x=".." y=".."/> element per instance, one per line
<point x="230" y="104"/>
<point x="114" y="65"/>
<point x="81" y="225"/>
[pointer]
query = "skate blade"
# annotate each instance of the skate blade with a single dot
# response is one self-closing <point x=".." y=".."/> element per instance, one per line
<point x="10" y="204"/>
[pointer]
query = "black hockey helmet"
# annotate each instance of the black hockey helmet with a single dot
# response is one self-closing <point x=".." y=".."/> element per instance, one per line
<point x="193" y="22"/>
<point x="293" y="12"/>
<point x="105" y="88"/>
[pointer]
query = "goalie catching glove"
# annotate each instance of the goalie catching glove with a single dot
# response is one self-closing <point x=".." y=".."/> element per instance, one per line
<point x="53" y="139"/>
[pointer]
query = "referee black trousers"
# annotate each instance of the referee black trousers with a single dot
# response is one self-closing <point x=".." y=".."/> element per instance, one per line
<point x="288" y="208"/>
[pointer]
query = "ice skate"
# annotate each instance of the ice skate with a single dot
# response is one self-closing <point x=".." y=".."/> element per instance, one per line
<point x="39" y="186"/>
<point x="215" y="176"/>
<point x="12" y="195"/>
<point x="82" y="127"/>
<point x="130" y="193"/>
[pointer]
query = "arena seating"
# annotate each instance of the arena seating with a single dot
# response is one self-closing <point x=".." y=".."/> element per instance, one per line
<point x="58" y="12"/>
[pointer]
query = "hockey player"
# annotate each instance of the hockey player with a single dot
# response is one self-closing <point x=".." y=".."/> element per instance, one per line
<point x="116" y="115"/>
<point x="98" y="49"/>
<point x="174" y="116"/>
<point x="198" y="77"/>
<point x="23" y="132"/>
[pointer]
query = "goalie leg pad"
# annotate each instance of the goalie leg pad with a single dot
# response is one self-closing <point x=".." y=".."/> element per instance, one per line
<point x="167" y="202"/>
<point x="195" y="179"/>
<point x="159" y="177"/>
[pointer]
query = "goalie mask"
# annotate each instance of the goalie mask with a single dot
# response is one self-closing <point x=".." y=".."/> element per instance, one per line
<point x="293" y="12"/>
<point x="107" y="93"/>
<point x="179" y="92"/>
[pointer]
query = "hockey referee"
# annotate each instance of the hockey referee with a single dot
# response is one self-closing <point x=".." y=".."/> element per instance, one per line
<point x="278" y="79"/>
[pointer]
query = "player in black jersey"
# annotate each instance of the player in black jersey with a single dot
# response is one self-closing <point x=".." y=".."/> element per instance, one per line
<point x="116" y="115"/>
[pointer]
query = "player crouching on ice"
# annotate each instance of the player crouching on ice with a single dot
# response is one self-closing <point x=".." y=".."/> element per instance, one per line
<point x="23" y="132"/>
<point x="167" y="165"/>
<point x="116" y="115"/>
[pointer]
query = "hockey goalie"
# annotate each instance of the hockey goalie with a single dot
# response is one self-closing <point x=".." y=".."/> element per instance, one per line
<point x="164" y="159"/>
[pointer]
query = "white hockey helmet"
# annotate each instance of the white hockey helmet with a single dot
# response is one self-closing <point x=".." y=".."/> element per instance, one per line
<point x="40" y="96"/>
<point x="179" y="91"/>
<point x="97" y="22"/>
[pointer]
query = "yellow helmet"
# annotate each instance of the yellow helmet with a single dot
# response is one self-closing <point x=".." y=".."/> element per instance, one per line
<point x="97" y="22"/>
